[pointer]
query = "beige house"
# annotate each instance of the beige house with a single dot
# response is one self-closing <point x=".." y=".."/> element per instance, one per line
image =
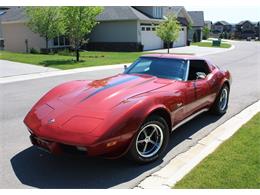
<point x="18" y="37"/>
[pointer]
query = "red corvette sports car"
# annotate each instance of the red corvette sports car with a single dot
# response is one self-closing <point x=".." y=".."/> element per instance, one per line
<point x="131" y="113"/>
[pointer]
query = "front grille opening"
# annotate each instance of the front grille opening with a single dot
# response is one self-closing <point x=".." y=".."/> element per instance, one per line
<point x="72" y="150"/>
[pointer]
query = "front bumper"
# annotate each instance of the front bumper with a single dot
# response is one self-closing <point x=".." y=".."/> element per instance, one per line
<point x="57" y="148"/>
<point x="112" y="148"/>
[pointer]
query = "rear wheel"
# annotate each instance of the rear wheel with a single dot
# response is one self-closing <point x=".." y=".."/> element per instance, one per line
<point x="221" y="104"/>
<point x="150" y="141"/>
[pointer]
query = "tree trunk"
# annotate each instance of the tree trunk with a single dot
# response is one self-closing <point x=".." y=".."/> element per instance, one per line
<point x="77" y="49"/>
<point x="168" y="45"/>
<point x="77" y="54"/>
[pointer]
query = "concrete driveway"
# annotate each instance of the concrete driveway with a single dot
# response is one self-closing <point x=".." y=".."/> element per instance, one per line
<point x="8" y="69"/>
<point x="24" y="166"/>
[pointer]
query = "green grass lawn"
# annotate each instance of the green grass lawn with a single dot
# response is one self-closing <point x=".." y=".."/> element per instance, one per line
<point x="209" y="44"/>
<point x="87" y="59"/>
<point x="67" y="61"/>
<point x="235" y="164"/>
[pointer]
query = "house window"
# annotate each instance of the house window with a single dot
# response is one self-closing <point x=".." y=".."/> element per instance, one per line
<point x="157" y="12"/>
<point x="153" y="29"/>
<point x="2" y="44"/>
<point x="143" y="28"/>
<point x="146" y="24"/>
<point x="61" y="41"/>
<point x="67" y="41"/>
<point x="148" y="28"/>
<point x="56" y="41"/>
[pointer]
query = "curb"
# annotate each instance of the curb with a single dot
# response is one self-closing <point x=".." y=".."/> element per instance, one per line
<point x="183" y="163"/>
<point x="216" y="52"/>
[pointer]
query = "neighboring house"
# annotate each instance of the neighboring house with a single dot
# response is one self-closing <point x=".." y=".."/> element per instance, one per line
<point x="120" y="28"/>
<point x="126" y="28"/>
<point x="257" y="26"/>
<point x="2" y="11"/>
<point x="196" y="28"/>
<point x="208" y="24"/>
<point x="221" y="26"/>
<point x="246" y="29"/>
<point x="17" y="35"/>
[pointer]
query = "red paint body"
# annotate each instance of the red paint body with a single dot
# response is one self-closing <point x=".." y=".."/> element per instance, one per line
<point x="104" y="115"/>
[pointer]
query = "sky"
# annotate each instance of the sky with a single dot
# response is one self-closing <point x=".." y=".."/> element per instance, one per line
<point x="231" y="14"/>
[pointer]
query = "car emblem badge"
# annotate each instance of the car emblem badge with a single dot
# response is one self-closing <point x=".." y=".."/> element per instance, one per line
<point x="51" y="121"/>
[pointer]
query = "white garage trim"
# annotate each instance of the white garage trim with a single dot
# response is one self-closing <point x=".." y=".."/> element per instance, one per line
<point x="182" y="40"/>
<point x="149" y="39"/>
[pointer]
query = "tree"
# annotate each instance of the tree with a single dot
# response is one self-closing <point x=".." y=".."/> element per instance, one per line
<point x="168" y="30"/>
<point x="44" y="20"/>
<point x="78" y="23"/>
<point x="205" y="32"/>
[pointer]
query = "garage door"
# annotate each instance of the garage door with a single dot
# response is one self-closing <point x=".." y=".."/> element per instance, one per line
<point x="182" y="39"/>
<point x="149" y="39"/>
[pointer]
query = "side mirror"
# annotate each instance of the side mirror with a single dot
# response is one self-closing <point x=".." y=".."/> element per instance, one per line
<point x="125" y="67"/>
<point x="201" y="75"/>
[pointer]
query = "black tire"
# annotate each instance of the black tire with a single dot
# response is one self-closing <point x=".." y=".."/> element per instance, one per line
<point x="218" y="108"/>
<point x="151" y="122"/>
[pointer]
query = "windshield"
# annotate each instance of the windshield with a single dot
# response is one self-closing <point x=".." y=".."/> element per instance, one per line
<point x="160" y="67"/>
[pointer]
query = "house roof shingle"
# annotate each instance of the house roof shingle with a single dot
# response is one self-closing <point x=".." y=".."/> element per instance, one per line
<point x="110" y="13"/>
<point x="223" y="22"/>
<point x="177" y="10"/>
<point x="197" y="18"/>
<point x="172" y="9"/>
<point x="14" y="14"/>
<point x="242" y="22"/>
<point x="113" y="13"/>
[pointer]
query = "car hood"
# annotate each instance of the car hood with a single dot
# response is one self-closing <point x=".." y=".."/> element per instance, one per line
<point x="68" y="105"/>
<point x="106" y="93"/>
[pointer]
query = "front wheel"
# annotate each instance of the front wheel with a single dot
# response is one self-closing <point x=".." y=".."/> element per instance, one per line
<point x="221" y="104"/>
<point x="150" y="141"/>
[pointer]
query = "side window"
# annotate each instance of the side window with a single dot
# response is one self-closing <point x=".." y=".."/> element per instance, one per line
<point x="197" y="66"/>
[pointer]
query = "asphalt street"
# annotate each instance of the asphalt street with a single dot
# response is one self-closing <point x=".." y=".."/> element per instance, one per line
<point x="24" y="166"/>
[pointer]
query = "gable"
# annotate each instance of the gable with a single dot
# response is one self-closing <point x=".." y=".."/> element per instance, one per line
<point x="197" y="18"/>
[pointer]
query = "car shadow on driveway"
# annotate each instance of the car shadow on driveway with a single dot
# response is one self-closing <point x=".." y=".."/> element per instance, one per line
<point x="42" y="170"/>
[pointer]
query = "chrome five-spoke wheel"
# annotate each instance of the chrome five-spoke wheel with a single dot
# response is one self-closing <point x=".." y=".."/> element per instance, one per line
<point x="149" y="140"/>
<point x="221" y="103"/>
<point x="223" y="99"/>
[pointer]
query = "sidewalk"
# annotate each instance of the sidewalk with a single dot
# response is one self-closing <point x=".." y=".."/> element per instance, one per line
<point x="8" y="68"/>
<point x="57" y="72"/>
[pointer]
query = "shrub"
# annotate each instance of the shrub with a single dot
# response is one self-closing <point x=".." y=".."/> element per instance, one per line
<point x="45" y="50"/>
<point x="34" y="51"/>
